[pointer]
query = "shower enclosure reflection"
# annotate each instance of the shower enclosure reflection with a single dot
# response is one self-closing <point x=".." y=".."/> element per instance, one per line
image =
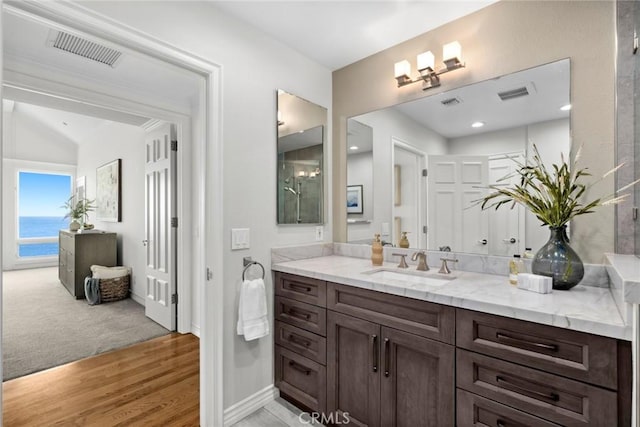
<point x="300" y="183"/>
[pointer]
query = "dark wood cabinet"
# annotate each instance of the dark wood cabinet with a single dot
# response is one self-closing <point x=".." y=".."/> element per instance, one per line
<point x="78" y="252"/>
<point x="300" y="343"/>
<point x="353" y="369"/>
<point x="381" y="376"/>
<point x="417" y="381"/>
<point x="384" y="360"/>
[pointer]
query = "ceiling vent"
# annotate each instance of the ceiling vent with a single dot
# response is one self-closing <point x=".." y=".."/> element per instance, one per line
<point x="450" y="102"/>
<point x="514" y="93"/>
<point x="85" y="48"/>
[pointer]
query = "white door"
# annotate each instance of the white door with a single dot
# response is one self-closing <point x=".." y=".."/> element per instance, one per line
<point x="408" y="194"/>
<point x="454" y="183"/>
<point x="506" y="225"/>
<point x="160" y="233"/>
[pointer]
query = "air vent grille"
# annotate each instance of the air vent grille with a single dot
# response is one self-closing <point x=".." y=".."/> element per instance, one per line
<point x="86" y="49"/>
<point x="450" y="102"/>
<point x="514" y="93"/>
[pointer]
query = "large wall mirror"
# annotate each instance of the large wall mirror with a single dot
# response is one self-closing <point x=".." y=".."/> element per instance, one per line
<point x="300" y="179"/>
<point x="420" y="165"/>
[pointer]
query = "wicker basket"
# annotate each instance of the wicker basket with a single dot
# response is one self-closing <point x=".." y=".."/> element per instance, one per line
<point x="114" y="289"/>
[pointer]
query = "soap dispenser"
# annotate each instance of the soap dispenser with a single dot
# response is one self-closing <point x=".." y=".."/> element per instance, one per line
<point x="376" y="251"/>
<point x="516" y="266"/>
<point x="404" y="241"/>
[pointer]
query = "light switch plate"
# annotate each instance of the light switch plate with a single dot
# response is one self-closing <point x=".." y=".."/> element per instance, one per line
<point x="385" y="228"/>
<point x="239" y="238"/>
<point x="319" y="233"/>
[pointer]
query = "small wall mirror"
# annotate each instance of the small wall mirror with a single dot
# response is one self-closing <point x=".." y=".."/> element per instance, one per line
<point x="421" y="164"/>
<point x="300" y="180"/>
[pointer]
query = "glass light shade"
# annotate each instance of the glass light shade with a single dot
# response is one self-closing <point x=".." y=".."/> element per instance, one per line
<point x="426" y="60"/>
<point x="402" y="68"/>
<point x="451" y="51"/>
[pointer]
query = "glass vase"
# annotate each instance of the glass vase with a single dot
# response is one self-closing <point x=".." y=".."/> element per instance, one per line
<point x="556" y="259"/>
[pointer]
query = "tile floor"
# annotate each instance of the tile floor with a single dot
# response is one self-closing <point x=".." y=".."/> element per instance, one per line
<point x="278" y="413"/>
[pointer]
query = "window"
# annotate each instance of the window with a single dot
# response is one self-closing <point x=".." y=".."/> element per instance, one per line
<point x="40" y="213"/>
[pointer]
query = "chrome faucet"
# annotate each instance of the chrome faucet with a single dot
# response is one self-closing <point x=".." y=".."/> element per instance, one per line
<point x="421" y="256"/>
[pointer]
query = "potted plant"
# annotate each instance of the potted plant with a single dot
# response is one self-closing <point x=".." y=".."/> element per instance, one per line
<point x="78" y="212"/>
<point x="554" y="197"/>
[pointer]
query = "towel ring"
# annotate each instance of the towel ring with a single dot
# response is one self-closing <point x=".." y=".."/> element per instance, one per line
<point x="249" y="265"/>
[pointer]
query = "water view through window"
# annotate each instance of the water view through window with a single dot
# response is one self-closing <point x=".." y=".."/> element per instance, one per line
<point x="40" y="215"/>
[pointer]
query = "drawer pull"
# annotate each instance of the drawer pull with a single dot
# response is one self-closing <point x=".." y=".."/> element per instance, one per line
<point x="550" y="396"/>
<point x="386" y="357"/>
<point x="507" y="338"/>
<point x="300" y="341"/>
<point x="374" y="348"/>
<point x="300" y="368"/>
<point x="296" y="286"/>
<point x="294" y="313"/>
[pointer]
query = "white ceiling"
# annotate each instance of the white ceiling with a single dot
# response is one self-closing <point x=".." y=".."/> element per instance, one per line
<point x="549" y="87"/>
<point x="333" y="33"/>
<point x="338" y="33"/>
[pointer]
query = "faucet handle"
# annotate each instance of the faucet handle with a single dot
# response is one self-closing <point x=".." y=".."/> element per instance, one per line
<point x="444" y="269"/>
<point x="403" y="261"/>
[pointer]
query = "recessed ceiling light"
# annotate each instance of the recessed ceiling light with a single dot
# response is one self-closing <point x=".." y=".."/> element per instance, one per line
<point x="566" y="107"/>
<point x="353" y="147"/>
<point x="477" y="124"/>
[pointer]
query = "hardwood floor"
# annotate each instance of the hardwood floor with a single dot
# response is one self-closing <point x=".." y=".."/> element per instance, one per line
<point x="155" y="383"/>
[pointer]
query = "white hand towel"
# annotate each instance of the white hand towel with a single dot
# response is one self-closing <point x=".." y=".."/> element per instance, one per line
<point x="252" y="310"/>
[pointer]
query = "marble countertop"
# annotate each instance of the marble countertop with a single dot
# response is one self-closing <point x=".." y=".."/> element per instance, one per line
<point x="624" y="271"/>
<point x="583" y="308"/>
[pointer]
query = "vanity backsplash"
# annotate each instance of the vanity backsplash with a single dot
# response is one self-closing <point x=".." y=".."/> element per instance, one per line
<point x="594" y="274"/>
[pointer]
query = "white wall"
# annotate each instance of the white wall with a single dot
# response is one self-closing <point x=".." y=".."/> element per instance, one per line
<point x="360" y="172"/>
<point x="489" y="143"/>
<point x="120" y="141"/>
<point x="27" y="144"/>
<point x="386" y="124"/>
<point x="249" y="139"/>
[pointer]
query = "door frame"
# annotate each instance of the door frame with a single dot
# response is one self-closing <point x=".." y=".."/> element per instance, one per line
<point x="421" y="190"/>
<point x="206" y="169"/>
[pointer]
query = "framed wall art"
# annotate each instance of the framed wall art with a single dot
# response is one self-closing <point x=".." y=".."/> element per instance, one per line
<point x="108" y="192"/>
<point x="354" y="199"/>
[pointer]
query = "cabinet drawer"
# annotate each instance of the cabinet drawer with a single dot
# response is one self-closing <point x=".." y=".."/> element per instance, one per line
<point x="66" y="242"/>
<point x="302" y="342"/>
<point x="311" y="291"/>
<point x="476" y="411"/>
<point x="300" y="378"/>
<point x="569" y="353"/>
<point x="422" y="318"/>
<point x="548" y="396"/>
<point x="302" y="315"/>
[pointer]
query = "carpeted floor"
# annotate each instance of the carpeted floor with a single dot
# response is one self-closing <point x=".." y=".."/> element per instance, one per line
<point x="44" y="326"/>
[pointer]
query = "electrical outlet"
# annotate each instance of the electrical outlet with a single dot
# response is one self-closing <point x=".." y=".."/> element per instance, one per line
<point x="319" y="233"/>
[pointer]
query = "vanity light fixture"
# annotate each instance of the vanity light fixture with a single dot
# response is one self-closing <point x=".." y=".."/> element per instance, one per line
<point x="451" y="56"/>
<point x="565" y="107"/>
<point x="477" y="124"/>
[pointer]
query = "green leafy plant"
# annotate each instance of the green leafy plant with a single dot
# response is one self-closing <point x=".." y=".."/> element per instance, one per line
<point x="77" y="210"/>
<point x="553" y="196"/>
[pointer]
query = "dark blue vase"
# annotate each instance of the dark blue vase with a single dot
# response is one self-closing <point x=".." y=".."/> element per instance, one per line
<point x="559" y="261"/>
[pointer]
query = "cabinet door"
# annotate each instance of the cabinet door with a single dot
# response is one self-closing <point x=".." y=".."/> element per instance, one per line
<point x="353" y="365"/>
<point x="417" y="381"/>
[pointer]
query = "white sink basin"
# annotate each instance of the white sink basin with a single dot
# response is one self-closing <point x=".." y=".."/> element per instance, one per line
<point x="410" y="276"/>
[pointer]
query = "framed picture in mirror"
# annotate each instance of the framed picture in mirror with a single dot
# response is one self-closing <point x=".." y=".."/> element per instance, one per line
<point x="354" y="199"/>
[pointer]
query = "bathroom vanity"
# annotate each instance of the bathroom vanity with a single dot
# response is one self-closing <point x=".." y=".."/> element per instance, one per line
<point x="385" y="349"/>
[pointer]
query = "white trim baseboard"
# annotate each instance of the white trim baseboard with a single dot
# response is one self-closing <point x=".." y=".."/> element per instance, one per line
<point x="247" y="406"/>
<point x="195" y="330"/>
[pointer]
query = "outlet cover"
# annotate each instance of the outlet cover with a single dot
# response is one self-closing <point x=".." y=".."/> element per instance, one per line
<point x="239" y="238"/>
<point x="319" y="233"/>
